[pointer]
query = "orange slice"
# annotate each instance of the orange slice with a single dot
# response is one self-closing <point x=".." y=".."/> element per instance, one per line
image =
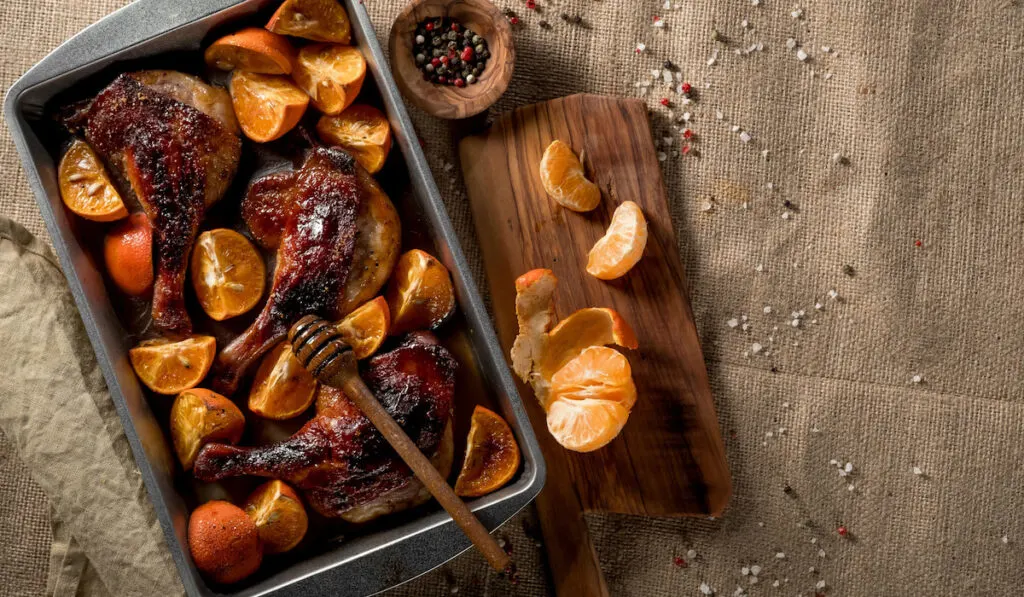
<point x="279" y="516"/>
<point x="332" y="75"/>
<point x="267" y="106"/>
<point x="492" y="455"/>
<point x="591" y="397"/>
<point x="318" y="20"/>
<point x="252" y="49"/>
<point x="169" y="366"/>
<point x="85" y="186"/>
<point x="420" y="295"/>
<point x="562" y="175"/>
<point x="128" y="253"/>
<point x="622" y="245"/>
<point x="282" y="388"/>
<point x="585" y="328"/>
<point x="200" y="416"/>
<point x="366" y="328"/>
<point x="361" y="130"/>
<point x="227" y="273"/>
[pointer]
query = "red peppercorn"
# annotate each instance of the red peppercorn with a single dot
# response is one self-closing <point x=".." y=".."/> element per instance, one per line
<point x="842" y="531"/>
<point x="436" y="62"/>
<point x="531" y="4"/>
<point x="442" y="79"/>
<point x="678" y="561"/>
<point x="444" y="60"/>
<point x="459" y="82"/>
<point x="687" y="133"/>
<point x="514" y="20"/>
<point x="467" y="54"/>
<point x="686" y="149"/>
<point x="455" y="26"/>
<point x="429" y="26"/>
<point x="687" y="88"/>
<point x="664" y="101"/>
<point x="917" y="243"/>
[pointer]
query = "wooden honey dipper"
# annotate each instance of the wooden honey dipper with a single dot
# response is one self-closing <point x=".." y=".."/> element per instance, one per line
<point x="320" y="349"/>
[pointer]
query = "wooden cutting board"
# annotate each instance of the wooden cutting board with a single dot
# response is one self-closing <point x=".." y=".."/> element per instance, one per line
<point x="669" y="459"/>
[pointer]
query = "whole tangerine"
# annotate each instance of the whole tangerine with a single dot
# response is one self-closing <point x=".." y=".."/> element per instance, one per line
<point x="128" y="254"/>
<point x="224" y="542"/>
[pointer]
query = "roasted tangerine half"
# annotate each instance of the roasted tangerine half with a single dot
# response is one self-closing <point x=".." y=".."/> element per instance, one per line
<point x="282" y="388"/>
<point x="85" y="186"/>
<point x="361" y="130"/>
<point x="228" y="273"/>
<point x="366" y="328"/>
<point x="421" y="295"/>
<point x="492" y="455"/>
<point x="279" y="515"/>
<point x="200" y="416"/>
<point x="318" y="20"/>
<point x="332" y="75"/>
<point x="267" y="106"/>
<point x="173" y="366"/>
<point x="252" y="49"/>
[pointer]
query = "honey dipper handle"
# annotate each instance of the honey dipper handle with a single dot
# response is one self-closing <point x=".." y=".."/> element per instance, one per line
<point x="358" y="393"/>
<point x="319" y="348"/>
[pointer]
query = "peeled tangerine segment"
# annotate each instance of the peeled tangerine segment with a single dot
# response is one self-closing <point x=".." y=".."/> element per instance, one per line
<point x="595" y="326"/>
<point x="228" y="273"/>
<point x="563" y="178"/>
<point x="200" y="416"/>
<point x="252" y="49"/>
<point x="282" y="388"/>
<point x="267" y="106"/>
<point x="622" y="245"/>
<point x="590" y="399"/>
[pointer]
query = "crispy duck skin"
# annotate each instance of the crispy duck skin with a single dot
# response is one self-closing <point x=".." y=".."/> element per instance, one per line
<point x="177" y="160"/>
<point x="339" y="460"/>
<point x="313" y="259"/>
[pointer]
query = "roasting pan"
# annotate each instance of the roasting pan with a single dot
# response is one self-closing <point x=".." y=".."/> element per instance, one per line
<point x="394" y="549"/>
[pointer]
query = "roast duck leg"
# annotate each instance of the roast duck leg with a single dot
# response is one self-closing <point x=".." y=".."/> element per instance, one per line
<point x="174" y="141"/>
<point x="341" y="462"/>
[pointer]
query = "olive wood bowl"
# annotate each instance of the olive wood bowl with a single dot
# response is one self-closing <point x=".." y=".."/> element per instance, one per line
<point x="448" y="101"/>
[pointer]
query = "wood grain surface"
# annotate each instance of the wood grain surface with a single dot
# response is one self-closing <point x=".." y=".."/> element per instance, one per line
<point x="448" y="101"/>
<point x="669" y="459"/>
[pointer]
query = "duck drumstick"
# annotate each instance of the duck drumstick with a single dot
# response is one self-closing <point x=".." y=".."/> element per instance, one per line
<point x="320" y="349"/>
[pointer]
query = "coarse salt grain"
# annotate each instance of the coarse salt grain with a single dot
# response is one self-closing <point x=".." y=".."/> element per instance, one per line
<point x="755" y="569"/>
<point x="759" y="267"/>
<point x="745" y="137"/>
<point x="790" y="43"/>
<point x="849" y="467"/>
<point x="767" y="309"/>
<point x="795" y="323"/>
<point x="1006" y="540"/>
<point x="821" y="553"/>
<point x="662" y="156"/>
<point x="756" y="347"/>
<point x="785" y="405"/>
<point x="735" y="128"/>
<point x="691" y="553"/>
<point x="753" y="580"/>
<point x="785" y="215"/>
<point x="686" y="117"/>
<point x="705" y="589"/>
<point x="732" y="322"/>
<point x="780" y="556"/>
<point x="916" y="379"/>
<point x="814" y="540"/>
<point x="797" y="13"/>
<point x="802" y="55"/>
<point x="834" y="462"/>
<point x="820" y="584"/>
<point x="833" y="294"/>
<point x="640" y="47"/>
<point x="744" y="571"/>
<point x="917" y="470"/>
<point x="775" y="583"/>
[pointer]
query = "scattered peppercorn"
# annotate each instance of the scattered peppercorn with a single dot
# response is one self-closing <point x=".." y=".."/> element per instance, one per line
<point x="667" y="65"/>
<point x="678" y="561"/>
<point x="514" y="20"/>
<point x="787" y="489"/>
<point x="544" y="25"/>
<point x="664" y="101"/>
<point x="687" y="88"/>
<point x="687" y="134"/>
<point x="448" y="53"/>
<point x="531" y="4"/>
<point x="842" y="531"/>
<point x="848" y="270"/>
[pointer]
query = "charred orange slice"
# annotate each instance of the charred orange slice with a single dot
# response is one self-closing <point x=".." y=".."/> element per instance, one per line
<point x="590" y="399"/>
<point x="228" y="273"/>
<point x="86" y="188"/>
<point x="252" y="49"/>
<point x="279" y="516"/>
<point x="361" y="130"/>
<point x="267" y="106"/>
<point x="622" y="245"/>
<point x="332" y="75"/>
<point x="585" y="328"/>
<point x="200" y="416"/>
<point x="169" y="366"/>
<point x="366" y="328"/>
<point x="420" y="294"/>
<point x="282" y="388"/>
<point x="318" y="20"/>
<point x="563" y="178"/>
<point x="492" y="455"/>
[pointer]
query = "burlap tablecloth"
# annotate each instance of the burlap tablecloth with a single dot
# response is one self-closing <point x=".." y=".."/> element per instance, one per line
<point x="877" y="203"/>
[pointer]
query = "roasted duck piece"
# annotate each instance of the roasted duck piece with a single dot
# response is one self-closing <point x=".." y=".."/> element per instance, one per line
<point x="313" y="259"/>
<point x="174" y="140"/>
<point x="341" y="462"/>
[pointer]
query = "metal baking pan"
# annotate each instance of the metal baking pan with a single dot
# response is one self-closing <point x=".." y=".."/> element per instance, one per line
<point x="392" y="550"/>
